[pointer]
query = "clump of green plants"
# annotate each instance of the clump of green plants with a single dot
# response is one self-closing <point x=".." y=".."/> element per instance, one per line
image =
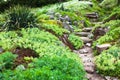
<point x="6" y="60"/>
<point x="49" y="68"/>
<point x="55" y="29"/>
<point x="76" y="41"/>
<point x="19" y="17"/>
<point x="114" y="14"/>
<point x="110" y="36"/>
<point x="108" y="62"/>
<point x="54" y="61"/>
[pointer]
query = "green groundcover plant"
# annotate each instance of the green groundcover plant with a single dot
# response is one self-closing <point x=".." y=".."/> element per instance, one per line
<point x="108" y="62"/>
<point x="54" y="62"/>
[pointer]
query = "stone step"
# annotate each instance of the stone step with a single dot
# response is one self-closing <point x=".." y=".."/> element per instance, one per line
<point x="87" y="29"/>
<point x="102" y="47"/>
<point x="86" y="39"/>
<point x="84" y="34"/>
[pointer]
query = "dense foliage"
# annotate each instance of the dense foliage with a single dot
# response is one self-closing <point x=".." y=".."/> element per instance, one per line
<point x="20" y="17"/>
<point x="54" y="61"/>
<point x="108" y="62"/>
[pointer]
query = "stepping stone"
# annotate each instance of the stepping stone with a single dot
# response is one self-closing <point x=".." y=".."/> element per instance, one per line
<point x="85" y="34"/>
<point x="87" y="29"/>
<point x="86" y="39"/>
<point x="93" y="15"/>
<point x="102" y="47"/>
<point x="82" y="51"/>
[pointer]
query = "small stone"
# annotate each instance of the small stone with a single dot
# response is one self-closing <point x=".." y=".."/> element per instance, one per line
<point x="67" y="18"/>
<point x="1" y="50"/>
<point x="20" y="67"/>
<point x="88" y="44"/>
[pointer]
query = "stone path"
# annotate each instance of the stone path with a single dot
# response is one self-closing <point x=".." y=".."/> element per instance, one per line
<point x="87" y="56"/>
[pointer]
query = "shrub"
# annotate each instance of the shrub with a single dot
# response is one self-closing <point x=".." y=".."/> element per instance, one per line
<point x="49" y="68"/>
<point x="76" y="41"/>
<point x="6" y="60"/>
<point x="20" y="17"/>
<point x="108" y="62"/>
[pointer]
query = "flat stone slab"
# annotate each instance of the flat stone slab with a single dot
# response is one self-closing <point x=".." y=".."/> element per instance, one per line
<point x="87" y="29"/>
<point x="85" y="34"/>
<point x="86" y="39"/>
<point x="102" y="47"/>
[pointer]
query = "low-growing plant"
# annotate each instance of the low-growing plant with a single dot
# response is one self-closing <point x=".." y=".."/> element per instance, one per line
<point x="55" y="29"/>
<point x="54" y="62"/>
<point x="6" y="60"/>
<point x="76" y="41"/>
<point x="108" y="62"/>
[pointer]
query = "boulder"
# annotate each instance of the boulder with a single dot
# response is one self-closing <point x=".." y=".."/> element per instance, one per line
<point x="102" y="47"/>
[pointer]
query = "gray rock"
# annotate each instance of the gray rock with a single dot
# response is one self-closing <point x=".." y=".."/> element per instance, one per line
<point x="84" y="34"/>
<point x="20" y="67"/>
<point x="1" y="50"/>
<point x="82" y="51"/>
<point x="86" y="39"/>
<point x="68" y="27"/>
<point x="61" y="19"/>
<point x="67" y="18"/>
<point x="87" y="29"/>
<point x="102" y="47"/>
<point x="52" y="17"/>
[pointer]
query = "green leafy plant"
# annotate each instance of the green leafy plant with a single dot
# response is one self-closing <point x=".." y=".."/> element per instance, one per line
<point x="54" y="61"/>
<point x="20" y="17"/>
<point x="55" y="29"/>
<point x="76" y="41"/>
<point x="108" y="62"/>
<point x="6" y="60"/>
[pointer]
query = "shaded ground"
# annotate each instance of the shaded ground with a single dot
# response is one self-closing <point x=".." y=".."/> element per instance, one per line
<point x="22" y="53"/>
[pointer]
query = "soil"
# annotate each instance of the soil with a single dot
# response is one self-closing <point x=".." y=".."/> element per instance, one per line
<point x="21" y="54"/>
